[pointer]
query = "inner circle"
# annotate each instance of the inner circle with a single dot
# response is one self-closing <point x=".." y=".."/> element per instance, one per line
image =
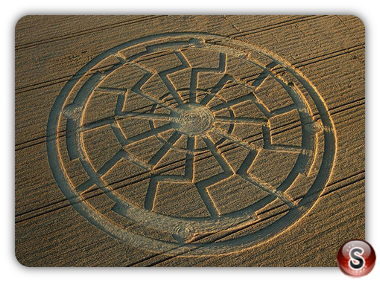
<point x="192" y="119"/>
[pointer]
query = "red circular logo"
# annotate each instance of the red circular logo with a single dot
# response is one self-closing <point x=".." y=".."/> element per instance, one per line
<point x="356" y="258"/>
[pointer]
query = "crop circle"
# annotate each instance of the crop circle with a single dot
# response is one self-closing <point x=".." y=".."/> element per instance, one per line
<point x="192" y="151"/>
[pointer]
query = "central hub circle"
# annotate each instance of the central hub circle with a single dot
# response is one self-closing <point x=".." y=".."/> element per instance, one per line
<point x="192" y="119"/>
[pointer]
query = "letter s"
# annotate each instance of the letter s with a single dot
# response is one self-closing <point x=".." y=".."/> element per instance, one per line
<point x="356" y="262"/>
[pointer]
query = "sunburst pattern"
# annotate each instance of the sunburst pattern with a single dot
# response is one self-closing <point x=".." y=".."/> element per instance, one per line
<point x="196" y="114"/>
<point x="198" y="123"/>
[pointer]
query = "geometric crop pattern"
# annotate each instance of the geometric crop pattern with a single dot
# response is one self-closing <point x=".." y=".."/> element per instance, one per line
<point x="190" y="143"/>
